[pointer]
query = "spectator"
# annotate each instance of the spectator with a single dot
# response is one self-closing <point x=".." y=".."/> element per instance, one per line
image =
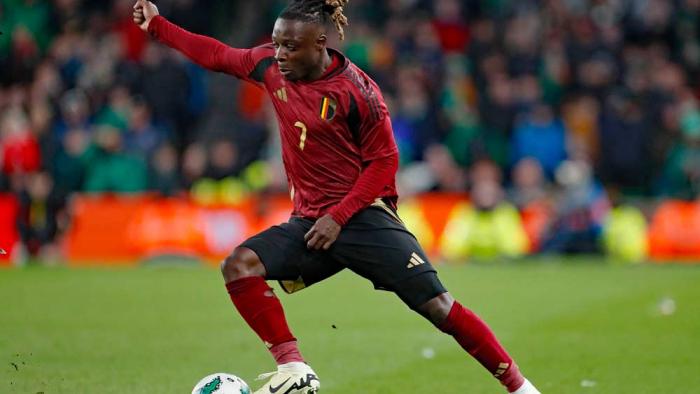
<point x="29" y="33"/>
<point x="580" y="210"/>
<point x="414" y="119"/>
<point x="39" y="208"/>
<point x="109" y="168"/>
<point x="542" y="136"/>
<point x="68" y="165"/>
<point x="447" y="175"/>
<point x="625" y="232"/>
<point x="224" y="160"/>
<point x="74" y="113"/>
<point x="143" y="137"/>
<point x="529" y="183"/>
<point x="581" y="119"/>
<point x="531" y="194"/>
<point x="194" y="164"/>
<point x="450" y="25"/>
<point x="625" y="140"/>
<point x="20" y="149"/>
<point x="164" y="86"/>
<point x="497" y="107"/>
<point x="681" y="176"/>
<point x="222" y="181"/>
<point x="164" y="177"/>
<point x="488" y="228"/>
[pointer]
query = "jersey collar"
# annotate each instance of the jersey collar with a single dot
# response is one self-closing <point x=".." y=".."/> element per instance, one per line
<point x="338" y="64"/>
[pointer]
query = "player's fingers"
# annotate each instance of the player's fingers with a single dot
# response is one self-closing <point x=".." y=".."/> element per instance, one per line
<point x="327" y="245"/>
<point x="310" y="233"/>
<point x="315" y="231"/>
<point x="315" y="242"/>
<point x="310" y="243"/>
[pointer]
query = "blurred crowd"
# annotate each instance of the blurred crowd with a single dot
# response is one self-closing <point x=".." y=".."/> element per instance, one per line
<point x="572" y="107"/>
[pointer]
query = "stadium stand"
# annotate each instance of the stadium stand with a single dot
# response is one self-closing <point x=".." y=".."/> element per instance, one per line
<point x="98" y="121"/>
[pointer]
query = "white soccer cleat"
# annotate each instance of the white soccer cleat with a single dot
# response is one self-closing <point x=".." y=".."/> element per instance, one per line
<point x="290" y="378"/>
<point x="527" y="388"/>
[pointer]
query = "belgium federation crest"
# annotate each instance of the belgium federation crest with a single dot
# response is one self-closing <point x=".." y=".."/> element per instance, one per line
<point x="328" y="107"/>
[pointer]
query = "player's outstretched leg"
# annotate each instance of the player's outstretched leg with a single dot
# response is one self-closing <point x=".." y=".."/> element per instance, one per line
<point x="244" y="274"/>
<point x="477" y="339"/>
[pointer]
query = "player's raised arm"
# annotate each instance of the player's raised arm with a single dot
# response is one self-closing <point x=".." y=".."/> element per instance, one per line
<point x="144" y="11"/>
<point x="205" y="51"/>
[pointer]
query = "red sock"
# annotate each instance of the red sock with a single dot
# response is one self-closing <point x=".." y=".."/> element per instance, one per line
<point x="263" y="312"/>
<point x="477" y="338"/>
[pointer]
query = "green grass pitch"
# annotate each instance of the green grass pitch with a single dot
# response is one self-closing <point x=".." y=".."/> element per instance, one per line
<point x="579" y="327"/>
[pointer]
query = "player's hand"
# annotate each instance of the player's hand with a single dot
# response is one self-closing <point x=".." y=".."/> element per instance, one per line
<point x="322" y="234"/>
<point x="144" y="11"/>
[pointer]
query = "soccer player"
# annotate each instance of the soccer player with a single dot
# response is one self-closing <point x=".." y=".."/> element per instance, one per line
<point x="341" y="159"/>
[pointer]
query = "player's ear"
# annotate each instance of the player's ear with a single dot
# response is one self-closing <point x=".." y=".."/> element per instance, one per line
<point x="321" y="41"/>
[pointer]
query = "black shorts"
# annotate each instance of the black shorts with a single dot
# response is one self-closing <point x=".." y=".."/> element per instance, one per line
<point x="374" y="244"/>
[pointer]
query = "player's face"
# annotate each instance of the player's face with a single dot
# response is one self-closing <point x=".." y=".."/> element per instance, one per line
<point x="299" y="47"/>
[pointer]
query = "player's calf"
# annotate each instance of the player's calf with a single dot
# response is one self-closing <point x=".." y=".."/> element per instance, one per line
<point x="258" y="305"/>
<point x="478" y="340"/>
<point x="472" y="333"/>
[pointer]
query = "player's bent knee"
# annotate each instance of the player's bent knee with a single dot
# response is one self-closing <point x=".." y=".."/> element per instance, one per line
<point x="425" y="294"/>
<point x="438" y="308"/>
<point x="242" y="263"/>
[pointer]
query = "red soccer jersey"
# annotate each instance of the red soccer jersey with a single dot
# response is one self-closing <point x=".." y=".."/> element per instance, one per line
<point x="331" y="128"/>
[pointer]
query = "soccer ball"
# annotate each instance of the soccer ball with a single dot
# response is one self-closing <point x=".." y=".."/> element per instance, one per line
<point x="221" y="383"/>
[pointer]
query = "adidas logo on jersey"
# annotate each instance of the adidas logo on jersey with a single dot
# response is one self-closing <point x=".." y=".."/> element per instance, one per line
<point x="415" y="261"/>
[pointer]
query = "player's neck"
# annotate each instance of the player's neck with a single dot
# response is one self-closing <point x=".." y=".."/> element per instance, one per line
<point x="326" y="61"/>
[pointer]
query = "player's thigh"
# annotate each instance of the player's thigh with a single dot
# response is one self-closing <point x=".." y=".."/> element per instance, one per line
<point x="378" y="247"/>
<point x="283" y="252"/>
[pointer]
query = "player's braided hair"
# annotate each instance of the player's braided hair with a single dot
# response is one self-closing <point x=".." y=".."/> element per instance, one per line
<point x="319" y="11"/>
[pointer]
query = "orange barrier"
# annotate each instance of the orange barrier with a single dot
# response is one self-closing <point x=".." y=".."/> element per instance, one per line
<point x="675" y="231"/>
<point x="166" y="226"/>
<point x="109" y="229"/>
<point x="9" y="237"/>
<point x="124" y="229"/>
<point x="99" y="229"/>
